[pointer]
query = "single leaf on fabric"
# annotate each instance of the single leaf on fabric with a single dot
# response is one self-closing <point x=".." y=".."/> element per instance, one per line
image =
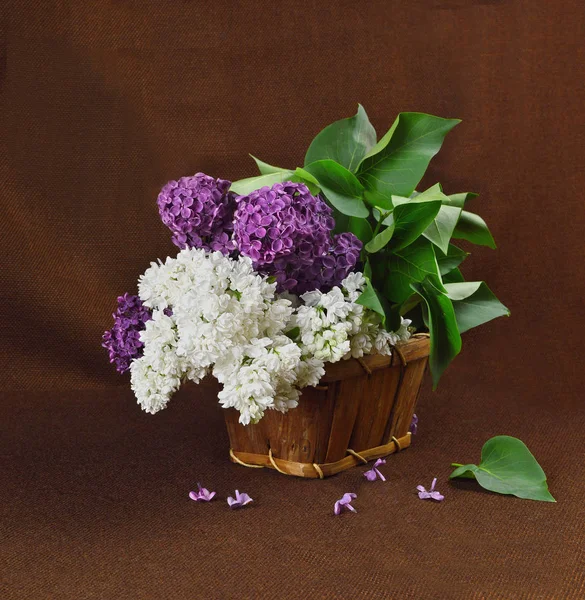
<point x="361" y="228"/>
<point x="396" y="164"/>
<point x="340" y="187"/>
<point x="460" y="199"/>
<point x="370" y="299"/>
<point x="441" y="229"/>
<point x="472" y="227"/>
<point x="411" y="264"/>
<point x="508" y="467"/>
<point x="248" y="185"/>
<point x="474" y="304"/>
<point x="451" y="259"/>
<point x="346" y="141"/>
<point x="380" y="240"/>
<point x="265" y="168"/>
<point x="445" y="337"/>
<point x="410" y="220"/>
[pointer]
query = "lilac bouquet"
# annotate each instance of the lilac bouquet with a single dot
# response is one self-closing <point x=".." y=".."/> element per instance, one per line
<point x="281" y="273"/>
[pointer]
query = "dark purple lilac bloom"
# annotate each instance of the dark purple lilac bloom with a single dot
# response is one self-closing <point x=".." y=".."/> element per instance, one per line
<point x="202" y="494"/>
<point x="345" y="503"/>
<point x="431" y="494"/>
<point x="123" y="340"/>
<point x="199" y="211"/>
<point x="374" y="473"/>
<point x="286" y="231"/>
<point x="332" y="268"/>
<point x="413" y="425"/>
<point x="240" y="500"/>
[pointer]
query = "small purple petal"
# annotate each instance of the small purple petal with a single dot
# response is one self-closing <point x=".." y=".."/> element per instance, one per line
<point x="240" y="500"/>
<point x="431" y="494"/>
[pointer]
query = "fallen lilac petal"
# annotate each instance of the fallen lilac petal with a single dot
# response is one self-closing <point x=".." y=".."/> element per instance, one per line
<point x="413" y="425"/>
<point x="373" y="473"/>
<point x="431" y="494"/>
<point x="202" y="494"/>
<point x="345" y="502"/>
<point x="240" y="500"/>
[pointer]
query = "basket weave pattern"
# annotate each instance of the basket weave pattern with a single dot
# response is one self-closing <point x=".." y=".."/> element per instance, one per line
<point x="361" y="410"/>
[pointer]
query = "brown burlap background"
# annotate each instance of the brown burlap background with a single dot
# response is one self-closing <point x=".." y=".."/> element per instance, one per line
<point x="101" y="103"/>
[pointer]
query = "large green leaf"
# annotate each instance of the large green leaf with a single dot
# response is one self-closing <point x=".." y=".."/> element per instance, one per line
<point x="248" y="185"/>
<point x="441" y="229"/>
<point x="410" y="220"/>
<point x="340" y="186"/>
<point x="474" y="303"/>
<point x="450" y="260"/>
<point x="361" y="228"/>
<point x="380" y="240"/>
<point x="508" y="467"/>
<point x="454" y="276"/>
<point x="445" y="337"/>
<point x="370" y="299"/>
<point x="460" y="199"/>
<point x="396" y="164"/>
<point x="265" y="168"/>
<point x="346" y="141"/>
<point x="472" y="227"/>
<point x="411" y="264"/>
<point x="302" y="176"/>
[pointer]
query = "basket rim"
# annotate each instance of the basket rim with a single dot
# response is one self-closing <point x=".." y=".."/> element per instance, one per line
<point x="417" y="347"/>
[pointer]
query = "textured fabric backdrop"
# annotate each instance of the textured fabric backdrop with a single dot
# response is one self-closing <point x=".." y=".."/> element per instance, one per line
<point x="101" y="104"/>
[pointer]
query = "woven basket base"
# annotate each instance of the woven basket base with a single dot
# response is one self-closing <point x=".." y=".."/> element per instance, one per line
<point x="315" y="471"/>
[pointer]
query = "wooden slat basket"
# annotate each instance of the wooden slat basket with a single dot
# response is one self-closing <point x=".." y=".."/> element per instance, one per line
<point x="361" y="411"/>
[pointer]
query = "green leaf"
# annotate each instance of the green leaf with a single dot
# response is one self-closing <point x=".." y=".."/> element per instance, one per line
<point x="370" y="299"/>
<point x="508" y="467"/>
<point x="340" y="187"/>
<point x="441" y="229"/>
<point x="302" y="176"/>
<point x="361" y="228"/>
<point x="450" y="260"/>
<point x="472" y="227"/>
<point x="396" y="164"/>
<point x="346" y="141"/>
<point x="411" y="264"/>
<point x="454" y="276"/>
<point x="248" y="185"/>
<point x="265" y="168"/>
<point x="367" y="269"/>
<point x="410" y="220"/>
<point x="445" y="337"/>
<point x="474" y="304"/>
<point x="293" y="333"/>
<point x="380" y="240"/>
<point x="459" y="200"/>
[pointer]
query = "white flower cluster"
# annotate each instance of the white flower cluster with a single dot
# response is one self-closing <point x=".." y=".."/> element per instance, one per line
<point x="333" y="326"/>
<point x="214" y="314"/>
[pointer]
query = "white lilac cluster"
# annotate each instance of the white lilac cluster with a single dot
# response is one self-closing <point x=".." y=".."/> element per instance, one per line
<point x="213" y="314"/>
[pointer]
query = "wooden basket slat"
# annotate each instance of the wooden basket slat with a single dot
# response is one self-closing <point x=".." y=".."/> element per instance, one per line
<point x="349" y="393"/>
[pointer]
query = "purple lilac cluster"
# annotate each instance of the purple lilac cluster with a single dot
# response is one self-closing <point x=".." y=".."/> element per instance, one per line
<point x="199" y="211"/>
<point x="286" y="231"/>
<point x="123" y="340"/>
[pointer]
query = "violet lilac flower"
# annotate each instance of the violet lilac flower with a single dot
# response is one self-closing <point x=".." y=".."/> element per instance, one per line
<point x="374" y="473"/>
<point x="240" y="500"/>
<point x="199" y="212"/>
<point x="345" y="503"/>
<point x="202" y="494"/>
<point x="286" y="231"/>
<point x="123" y="341"/>
<point x="413" y="425"/>
<point x="431" y="494"/>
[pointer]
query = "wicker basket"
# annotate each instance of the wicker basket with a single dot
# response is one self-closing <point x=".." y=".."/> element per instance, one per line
<point x="361" y="411"/>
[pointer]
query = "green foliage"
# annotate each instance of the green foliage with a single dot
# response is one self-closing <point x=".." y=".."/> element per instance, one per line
<point x="408" y="256"/>
<point x="507" y="467"/>
<point x="345" y="142"/>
